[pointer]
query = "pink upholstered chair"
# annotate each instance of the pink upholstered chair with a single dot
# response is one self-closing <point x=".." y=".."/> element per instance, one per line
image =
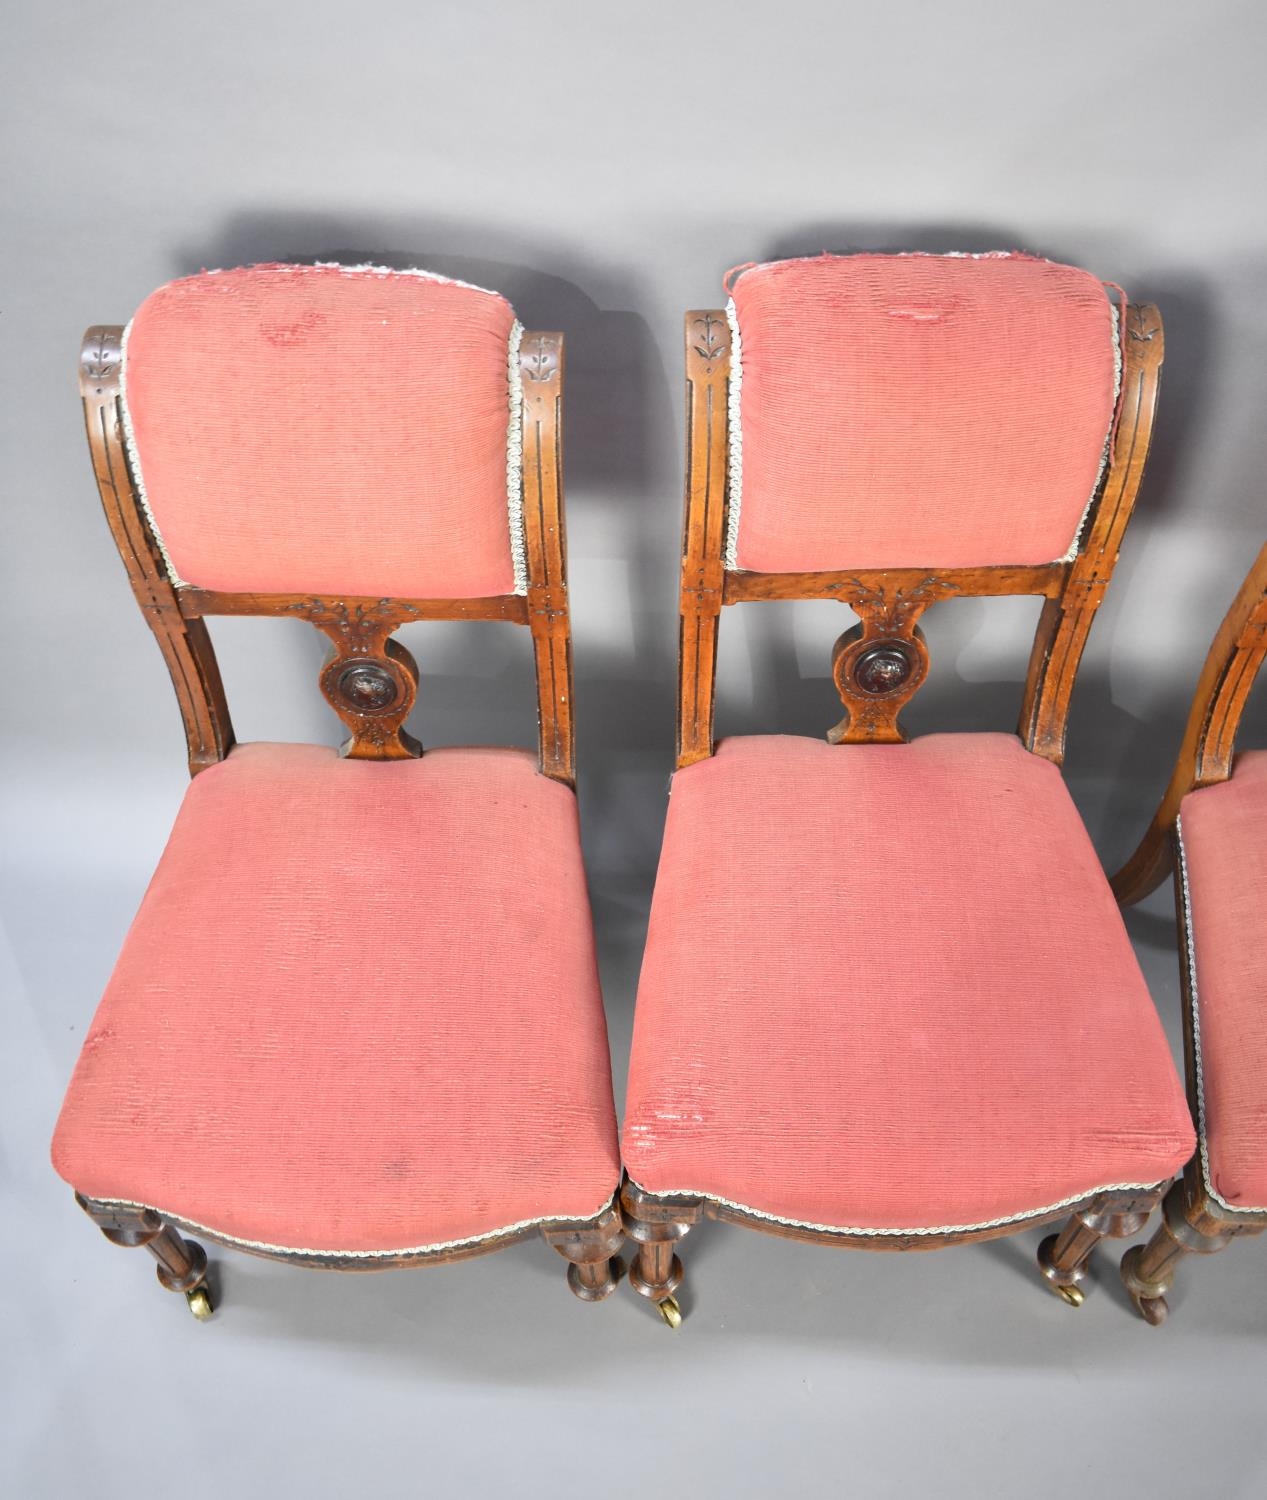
<point x="1211" y="832"/>
<point x="887" y="999"/>
<point x="356" y="1022"/>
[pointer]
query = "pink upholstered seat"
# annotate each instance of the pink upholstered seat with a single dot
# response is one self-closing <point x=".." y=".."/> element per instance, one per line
<point x="318" y="429"/>
<point x="357" y="1012"/>
<point x="916" y="411"/>
<point x="886" y="988"/>
<point x="1224" y="833"/>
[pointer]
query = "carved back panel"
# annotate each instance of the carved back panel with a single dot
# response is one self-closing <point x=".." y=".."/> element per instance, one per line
<point x="880" y="663"/>
<point x="369" y="679"/>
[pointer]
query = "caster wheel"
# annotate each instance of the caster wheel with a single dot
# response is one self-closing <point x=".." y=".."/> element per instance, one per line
<point x="1153" y="1310"/>
<point x="670" y="1312"/>
<point x="1147" y="1296"/>
<point x="1069" y="1292"/>
<point x="200" y="1303"/>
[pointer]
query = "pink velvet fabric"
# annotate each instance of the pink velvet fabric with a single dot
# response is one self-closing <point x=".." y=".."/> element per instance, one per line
<point x="315" y="429"/>
<point x="887" y="988"/>
<point x="1225" y="845"/>
<point x="357" y="1011"/>
<point x="919" y="411"/>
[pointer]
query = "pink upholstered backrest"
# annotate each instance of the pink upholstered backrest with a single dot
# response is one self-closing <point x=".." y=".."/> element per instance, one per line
<point x="321" y="429"/>
<point x="916" y="411"/>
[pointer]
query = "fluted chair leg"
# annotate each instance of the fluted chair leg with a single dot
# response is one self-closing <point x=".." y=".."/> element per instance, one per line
<point x="1148" y="1271"/>
<point x="1064" y="1258"/>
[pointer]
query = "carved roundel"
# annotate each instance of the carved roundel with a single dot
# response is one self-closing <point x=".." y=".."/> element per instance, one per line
<point x="884" y="667"/>
<point x="365" y="685"/>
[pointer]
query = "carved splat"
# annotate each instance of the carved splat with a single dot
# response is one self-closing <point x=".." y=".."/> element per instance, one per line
<point x="879" y="665"/>
<point x="370" y="681"/>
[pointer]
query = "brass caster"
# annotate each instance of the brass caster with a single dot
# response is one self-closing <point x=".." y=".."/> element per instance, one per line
<point x="670" y="1311"/>
<point x="1073" y="1295"/>
<point x="200" y="1303"/>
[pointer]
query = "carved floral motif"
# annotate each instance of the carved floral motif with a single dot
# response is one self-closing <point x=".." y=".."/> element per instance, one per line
<point x="710" y="343"/>
<point x="539" y="359"/>
<point x="360" y="626"/>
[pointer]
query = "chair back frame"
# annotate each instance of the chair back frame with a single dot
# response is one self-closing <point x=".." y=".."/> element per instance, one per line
<point x="880" y="664"/>
<point x="1209" y="738"/>
<point x="369" y="680"/>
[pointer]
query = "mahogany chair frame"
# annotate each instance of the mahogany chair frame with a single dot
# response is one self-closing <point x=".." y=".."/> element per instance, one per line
<point x="877" y="667"/>
<point x="370" y="681"/>
<point x="1194" y="1222"/>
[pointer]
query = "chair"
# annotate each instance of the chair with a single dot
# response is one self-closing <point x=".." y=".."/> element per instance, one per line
<point x="356" y="1022"/>
<point x="1211" y="831"/>
<point x="887" y="999"/>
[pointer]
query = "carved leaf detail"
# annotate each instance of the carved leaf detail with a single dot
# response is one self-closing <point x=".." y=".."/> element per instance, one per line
<point x="710" y="344"/>
<point x="540" y="361"/>
<point x="893" y="612"/>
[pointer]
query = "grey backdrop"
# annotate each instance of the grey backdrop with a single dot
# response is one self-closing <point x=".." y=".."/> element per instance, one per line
<point x="602" y="166"/>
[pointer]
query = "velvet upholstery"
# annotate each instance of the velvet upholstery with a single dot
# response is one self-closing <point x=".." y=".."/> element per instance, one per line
<point x="887" y="988"/>
<point x="306" y="429"/>
<point x="1224" y="831"/>
<point x="357" y="1012"/>
<point x="916" y="411"/>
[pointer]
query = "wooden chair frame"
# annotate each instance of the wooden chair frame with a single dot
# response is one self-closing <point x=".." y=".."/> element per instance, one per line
<point x="877" y="667"/>
<point x="370" y="681"/>
<point x="1194" y="1222"/>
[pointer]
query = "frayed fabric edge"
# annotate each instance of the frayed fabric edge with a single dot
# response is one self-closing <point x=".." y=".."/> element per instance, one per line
<point x="1190" y="947"/>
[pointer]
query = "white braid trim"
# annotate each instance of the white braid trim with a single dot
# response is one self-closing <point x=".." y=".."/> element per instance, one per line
<point x="134" y="463"/>
<point x="1190" y="954"/>
<point x="1017" y="1218"/>
<point x="515" y="462"/>
<point x="1108" y="437"/>
<point x="734" y="447"/>
<point x="220" y="1237"/>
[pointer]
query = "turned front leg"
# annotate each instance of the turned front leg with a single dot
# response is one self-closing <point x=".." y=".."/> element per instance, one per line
<point x="1186" y="1228"/>
<point x="1064" y="1258"/>
<point x="657" y="1225"/>
<point x="182" y="1263"/>
<point x="594" y="1267"/>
